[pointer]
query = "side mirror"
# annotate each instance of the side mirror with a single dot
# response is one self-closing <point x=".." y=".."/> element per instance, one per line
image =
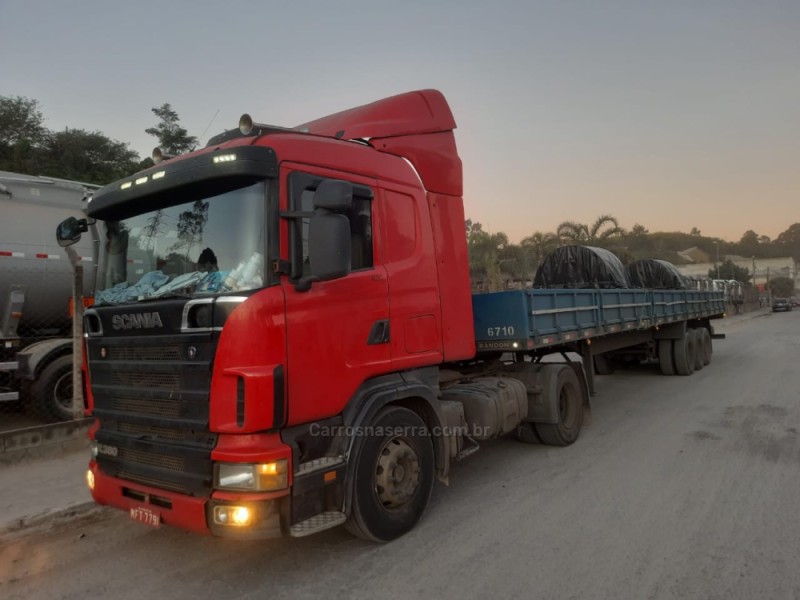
<point x="334" y="195"/>
<point x="69" y="231"/>
<point x="328" y="248"/>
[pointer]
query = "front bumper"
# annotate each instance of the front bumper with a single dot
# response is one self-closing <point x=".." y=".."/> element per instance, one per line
<point x="192" y="513"/>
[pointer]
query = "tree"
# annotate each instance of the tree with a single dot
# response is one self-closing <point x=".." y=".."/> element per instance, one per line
<point x="603" y="228"/>
<point x="536" y="246"/>
<point x="21" y="134"/>
<point x="20" y="121"/>
<point x="730" y="270"/>
<point x="781" y="287"/>
<point x="695" y="231"/>
<point x="639" y="230"/>
<point x="485" y="250"/>
<point x="172" y="138"/>
<point x="789" y="241"/>
<point x="86" y="156"/>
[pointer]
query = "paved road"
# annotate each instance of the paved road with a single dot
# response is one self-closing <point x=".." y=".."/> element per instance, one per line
<point x="681" y="488"/>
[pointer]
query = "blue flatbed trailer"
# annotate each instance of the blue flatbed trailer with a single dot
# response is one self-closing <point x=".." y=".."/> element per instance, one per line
<point x="589" y="321"/>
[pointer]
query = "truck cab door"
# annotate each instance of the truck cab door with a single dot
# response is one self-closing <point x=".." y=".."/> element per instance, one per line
<point x="337" y="331"/>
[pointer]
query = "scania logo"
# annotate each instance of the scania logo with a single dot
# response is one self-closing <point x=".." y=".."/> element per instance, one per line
<point x="137" y="321"/>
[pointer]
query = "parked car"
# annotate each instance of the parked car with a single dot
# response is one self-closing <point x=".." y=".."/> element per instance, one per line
<point x="795" y="301"/>
<point x="781" y="304"/>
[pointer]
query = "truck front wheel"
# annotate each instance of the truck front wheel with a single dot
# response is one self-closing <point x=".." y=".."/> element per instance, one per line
<point x="393" y="476"/>
<point x="51" y="393"/>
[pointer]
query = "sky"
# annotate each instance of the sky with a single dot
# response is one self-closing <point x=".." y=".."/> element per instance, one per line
<point x="672" y="114"/>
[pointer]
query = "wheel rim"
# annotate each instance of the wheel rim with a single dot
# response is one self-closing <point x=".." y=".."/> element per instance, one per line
<point x="397" y="474"/>
<point x="62" y="392"/>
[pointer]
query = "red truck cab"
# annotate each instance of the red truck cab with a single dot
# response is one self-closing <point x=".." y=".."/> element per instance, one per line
<point x="232" y="411"/>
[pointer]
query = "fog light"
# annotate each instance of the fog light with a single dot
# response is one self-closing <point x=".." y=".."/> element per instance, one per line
<point x="90" y="479"/>
<point x="237" y="516"/>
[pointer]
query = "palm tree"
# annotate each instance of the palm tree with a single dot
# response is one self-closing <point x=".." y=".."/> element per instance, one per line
<point x="603" y="228"/>
<point x="537" y="246"/>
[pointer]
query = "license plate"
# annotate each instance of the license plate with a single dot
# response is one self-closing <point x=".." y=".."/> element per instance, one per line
<point x="146" y="516"/>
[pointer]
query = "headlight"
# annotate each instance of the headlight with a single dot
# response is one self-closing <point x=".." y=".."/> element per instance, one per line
<point x="263" y="477"/>
<point x="93" y="448"/>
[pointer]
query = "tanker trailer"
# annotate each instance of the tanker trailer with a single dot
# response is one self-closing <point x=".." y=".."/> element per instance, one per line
<point x="36" y="291"/>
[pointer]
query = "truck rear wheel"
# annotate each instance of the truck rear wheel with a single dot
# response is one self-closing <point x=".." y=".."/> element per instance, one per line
<point x="51" y="393"/>
<point x="563" y="384"/>
<point x="708" y="346"/>
<point x="393" y="476"/>
<point x="699" y="349"/>
<point x="665" y="360"/>
<point x="683" y="354"/>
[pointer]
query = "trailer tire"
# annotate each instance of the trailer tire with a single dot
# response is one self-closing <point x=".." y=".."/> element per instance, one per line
<point x="51" y="393"/>
<point x="562" y="382"/>
<point x="393" y="476"/>
<point x="683" y="354"/>
<point x="699" y="349"/>
<point x="665" y="360"/>
<point x="603" y="364"/>
<point x="708" y="346"/>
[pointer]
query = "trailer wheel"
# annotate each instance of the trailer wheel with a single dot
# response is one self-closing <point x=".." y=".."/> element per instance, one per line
<point x="683" y="350"/>
<point x="603" y="365"/>
<point x="665" y="360"/>
<point x="566" y="392"/>
<point x="708" y="346"/>
<point x="393" y="476"/>
<point x="51" y="393"/>
<point x="699" y="349"/>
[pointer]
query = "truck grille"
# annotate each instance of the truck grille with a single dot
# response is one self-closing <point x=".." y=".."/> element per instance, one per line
<point x="144" y="353"/>
<point x="139" y="379"/>
<point x="153" y="407"/>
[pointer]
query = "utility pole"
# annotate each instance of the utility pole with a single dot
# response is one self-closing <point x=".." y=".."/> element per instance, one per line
<point x="716" y="262"/>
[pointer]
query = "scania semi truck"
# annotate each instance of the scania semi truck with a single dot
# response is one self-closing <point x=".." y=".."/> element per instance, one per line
<point x="286" y="339"/>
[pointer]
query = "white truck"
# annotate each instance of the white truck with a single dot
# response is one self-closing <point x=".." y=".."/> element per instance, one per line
<point x="35" y="291"/>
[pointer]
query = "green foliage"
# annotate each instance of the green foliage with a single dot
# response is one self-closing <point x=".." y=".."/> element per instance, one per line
<point x="781" y="287"/>
<point x="26" y="146"/>
<point x="789" y="241"/>
<point x="172" y="138"/>
<point x="730" y="270"/>
<point x="598" y="233"/>
<point x="87" y="156"/>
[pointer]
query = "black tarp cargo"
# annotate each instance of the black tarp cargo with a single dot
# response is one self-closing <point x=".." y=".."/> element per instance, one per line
<point x="655" y="275"/>
<point x="581" y="267"/>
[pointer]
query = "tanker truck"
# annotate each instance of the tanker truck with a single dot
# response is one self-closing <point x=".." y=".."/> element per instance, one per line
<point x="36" y="290"/>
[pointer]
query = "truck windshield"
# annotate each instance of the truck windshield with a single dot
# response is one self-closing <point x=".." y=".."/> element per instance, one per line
<point x="198" y="248"/>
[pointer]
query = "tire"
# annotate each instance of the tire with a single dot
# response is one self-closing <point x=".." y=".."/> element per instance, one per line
<point x="683" y="354"/>
<point x="699" y="349"/>
<point x="665" y="360"/>
<point x="708" y="346"/>
<point x="393" y="476"/>
<point x="51" y="393"/>
<point x="563" y="385"/>
<point x="603" y="365"/>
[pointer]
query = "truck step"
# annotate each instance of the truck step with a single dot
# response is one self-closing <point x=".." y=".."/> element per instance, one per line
<point x="9" y="366"/>
<point x="319" y="522"/>
<point x="319" y="464"/>
<point x="9" y="396"/>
